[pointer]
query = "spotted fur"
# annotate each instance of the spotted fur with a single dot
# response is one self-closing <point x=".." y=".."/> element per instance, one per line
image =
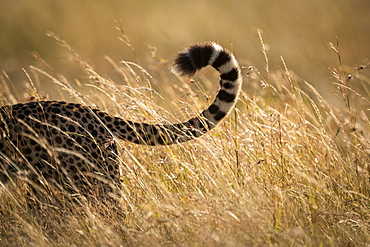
<point x="73" y="145"/>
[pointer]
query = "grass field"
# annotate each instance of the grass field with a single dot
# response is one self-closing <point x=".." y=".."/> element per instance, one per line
<point x="289" y="167"/>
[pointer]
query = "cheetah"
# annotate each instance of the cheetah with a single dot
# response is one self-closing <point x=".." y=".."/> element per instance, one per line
<point x="73" y="145"/>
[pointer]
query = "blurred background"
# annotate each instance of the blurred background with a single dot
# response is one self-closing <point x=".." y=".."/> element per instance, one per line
<point x="298" y="31"/>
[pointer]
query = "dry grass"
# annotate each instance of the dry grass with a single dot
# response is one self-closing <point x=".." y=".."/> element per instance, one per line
<point x="285" y="169"/>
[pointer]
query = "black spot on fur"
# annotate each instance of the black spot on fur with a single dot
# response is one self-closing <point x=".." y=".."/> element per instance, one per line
<point x="58" y="139"/>
<point x="226" y="85"/>
<point x="192" y="121"/>
<point x="70" y="106"/>
<point x="160" y="140"/>
<point x="90" y="127"/>
<point x="220" y="115"/>
<point x="213" y="109"/>
<point x="232" y="75"/>
<point x="77" y="115"/>
<point x="153" y="130"/>
<point x="71" y="128"/>
<point x="108" y="118"/>
<point x="55" y="110"/>
<point x="94" y="133"/>
<point x="225" y="96"/>
<point x="222" y="58"/>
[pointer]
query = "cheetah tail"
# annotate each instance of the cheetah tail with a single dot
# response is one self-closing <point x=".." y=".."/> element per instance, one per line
<point x="188" y="63"/>
<point x="193" y="59"/>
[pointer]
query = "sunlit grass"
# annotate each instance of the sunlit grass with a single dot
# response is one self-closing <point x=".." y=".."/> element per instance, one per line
<point x="285" y="169"/>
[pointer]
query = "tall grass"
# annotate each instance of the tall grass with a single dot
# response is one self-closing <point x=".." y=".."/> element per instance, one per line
<point x="285" y="169"/>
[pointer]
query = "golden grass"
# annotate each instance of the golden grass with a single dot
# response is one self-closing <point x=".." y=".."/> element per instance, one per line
<point x="285" y="169"/>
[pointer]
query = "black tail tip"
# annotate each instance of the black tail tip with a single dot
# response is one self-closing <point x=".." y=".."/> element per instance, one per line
<point x="194" y="58"/>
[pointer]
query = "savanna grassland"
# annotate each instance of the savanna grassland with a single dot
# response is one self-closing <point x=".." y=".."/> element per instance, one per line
<point x="289" y="167"/>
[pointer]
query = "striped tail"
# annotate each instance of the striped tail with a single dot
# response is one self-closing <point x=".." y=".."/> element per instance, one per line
<point x="200" y="55"/>
<point x="188" y="63"/>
